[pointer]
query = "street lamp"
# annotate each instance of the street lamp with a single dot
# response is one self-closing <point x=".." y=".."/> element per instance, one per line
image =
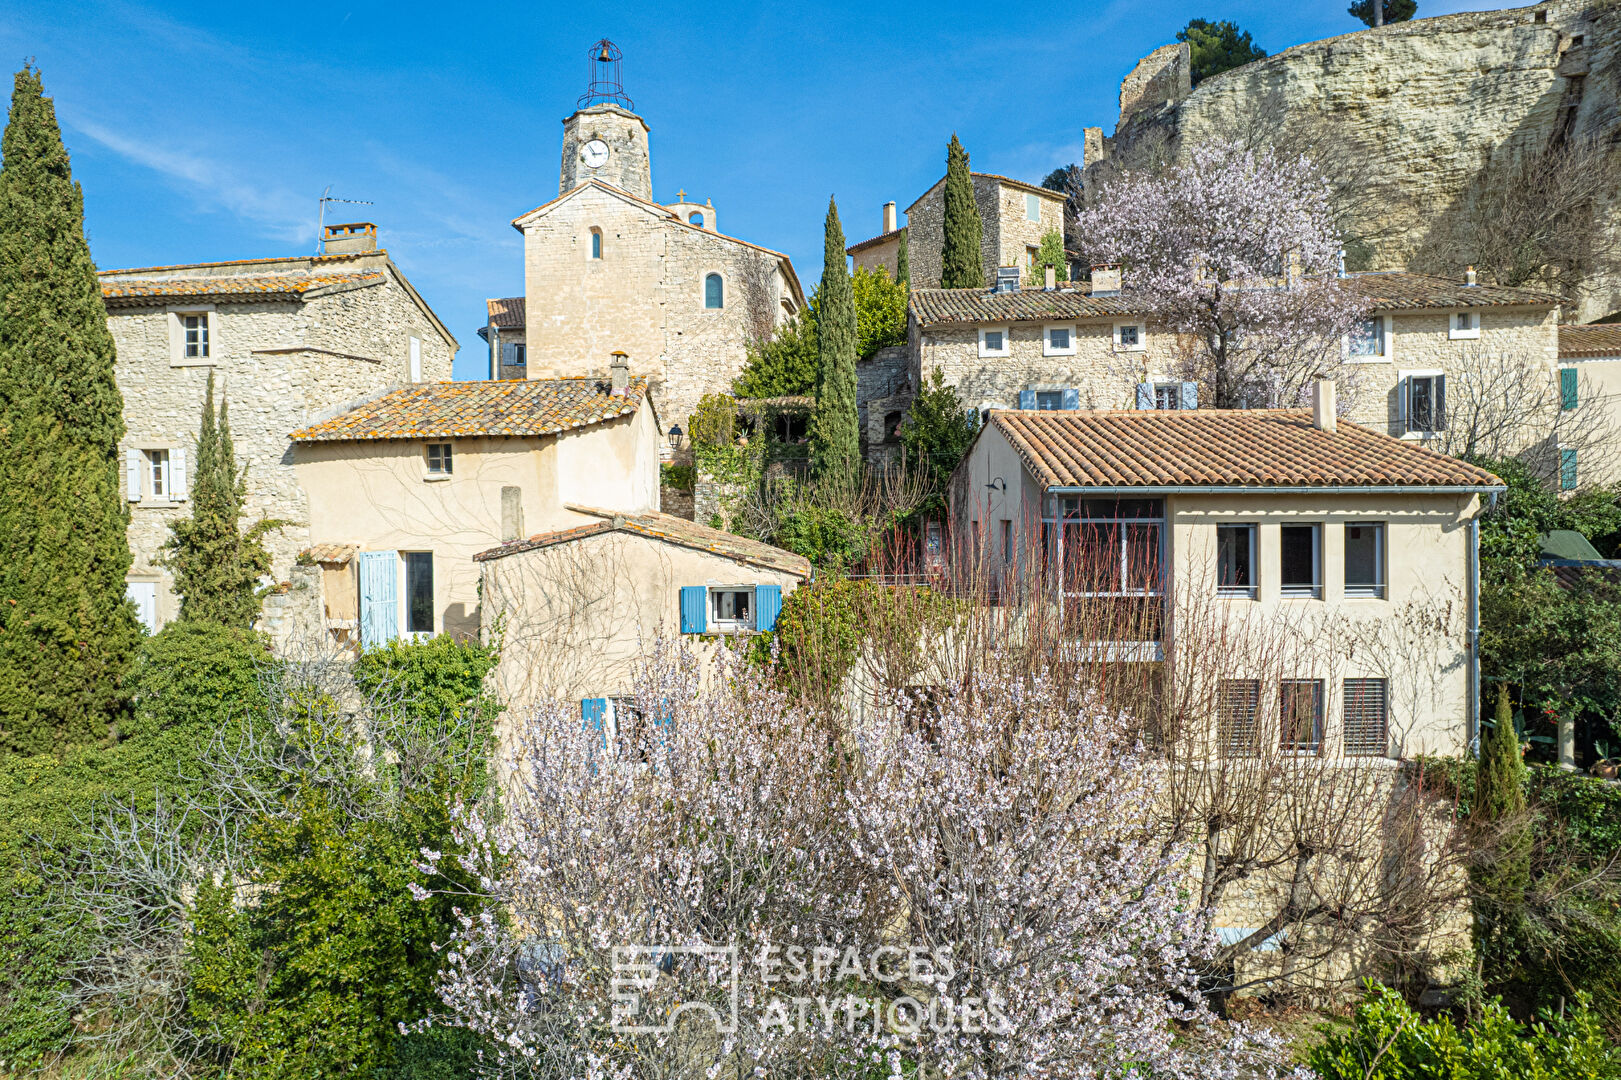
<point x="675" y="436"/>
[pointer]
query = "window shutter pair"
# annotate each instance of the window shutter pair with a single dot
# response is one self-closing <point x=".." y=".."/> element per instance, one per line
<point x="1440" y="391"/>
<point x="1069" y="398"/>
<point x="1567" y="388"/>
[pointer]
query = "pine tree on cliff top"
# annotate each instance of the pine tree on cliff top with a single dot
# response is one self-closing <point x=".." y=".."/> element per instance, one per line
<point x="67" y="632"/>
<point x="961" y="263"/>
<point x="217" y="566"/>
<point x="835" y="440"/>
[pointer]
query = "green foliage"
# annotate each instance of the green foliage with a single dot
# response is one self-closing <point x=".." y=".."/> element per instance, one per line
<point x="1500" y="879"/>
<point x="834" y="435"/>
<point x="937" y="432"/>
<point x="819" y="631"/>
<point x="67" y="632"/>
<point x="880" y="310"/>
<point x="1387" y="1040"/>
<point x="193" y="678"/>
<point x="1050" y="254"/>
<point x="216" y="565"/>
<point x="1394" y="10"/>
<point x="962" y="265"/>
<point x="824" y="535"/>
<point x="678" y="477"/>
<point x="440" y="1053"/>
<point x="903" y="261"/>
<point x="784" y="366"/>
<point x="1529" y="508"/>
<point x="440" y="679"/>
<point x="1215" y="47"/>
<point x="715" y="421"/>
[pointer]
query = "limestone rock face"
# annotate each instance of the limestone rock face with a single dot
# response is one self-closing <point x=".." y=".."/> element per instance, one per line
<point x="1431" y="102"/>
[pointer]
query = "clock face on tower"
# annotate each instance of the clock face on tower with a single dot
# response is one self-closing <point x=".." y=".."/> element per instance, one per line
<point x="594" y="153"/>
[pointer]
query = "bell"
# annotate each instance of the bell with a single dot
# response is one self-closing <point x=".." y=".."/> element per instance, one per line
<point x="604" y="57"/>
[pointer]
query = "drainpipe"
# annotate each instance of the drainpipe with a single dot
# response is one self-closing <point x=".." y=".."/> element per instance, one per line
<point x="1473" y="741"/>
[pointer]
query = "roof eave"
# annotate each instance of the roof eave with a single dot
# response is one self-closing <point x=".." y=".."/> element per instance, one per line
<point x="1276" y="489"/>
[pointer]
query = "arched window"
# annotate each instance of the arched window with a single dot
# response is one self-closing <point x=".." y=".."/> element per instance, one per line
<point x="696" y="218"/>
<point x="596" y="243"/>
<point x="714" y="293"/>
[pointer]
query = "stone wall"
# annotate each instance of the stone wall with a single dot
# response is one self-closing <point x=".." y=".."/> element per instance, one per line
<point x="629" y="166"/>
<point x="1164" y="76"/>
<point x="1430" y="102"/>
<point x="1105" y="377"/>
<point x="280" y="366"/>
<point x="1007" y="230"/>
<point x="883" y="388"/>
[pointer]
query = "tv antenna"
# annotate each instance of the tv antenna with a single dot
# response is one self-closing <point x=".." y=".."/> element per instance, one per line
<point x="320" y="226"/>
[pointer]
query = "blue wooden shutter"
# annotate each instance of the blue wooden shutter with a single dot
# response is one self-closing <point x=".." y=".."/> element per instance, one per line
<point x="593" y="710"/>
<point x="1567" y="470"/>
<point x="379" y="603"/>
<point x="694" y="600"/>
<point x="1070" y="398"/>
<point x="1190" y="396"/>
<point x="767" y="605"/>
<point x="1567" y="388"/>
<point x="1027" y="399"/>
<point x="1145" y="395"/>
<point x="973" y="417"/>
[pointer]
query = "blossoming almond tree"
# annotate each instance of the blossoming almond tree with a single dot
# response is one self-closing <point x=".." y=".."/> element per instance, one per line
<point x="1236" y="250"/>
<point x="972" y="893"/>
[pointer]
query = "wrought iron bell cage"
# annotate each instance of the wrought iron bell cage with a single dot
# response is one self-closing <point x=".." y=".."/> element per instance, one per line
<point x="603" y="83"/>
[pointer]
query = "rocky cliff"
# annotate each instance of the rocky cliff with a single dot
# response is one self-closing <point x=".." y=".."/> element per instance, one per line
<point x="1429" y="106"/>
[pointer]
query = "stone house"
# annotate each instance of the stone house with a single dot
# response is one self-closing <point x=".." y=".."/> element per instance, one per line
<point x="404" y="489"/>
<point x="286" y="339"/>
<point x="1014" y="216"/>
<point x="577" y="607"/>
<point x="1248" y="521"/>
<point x="607" y="269"/>
<point x="1590" y="379"/>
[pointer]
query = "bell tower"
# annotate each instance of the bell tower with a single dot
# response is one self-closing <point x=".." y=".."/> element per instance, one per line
<point x="603" y="139"/>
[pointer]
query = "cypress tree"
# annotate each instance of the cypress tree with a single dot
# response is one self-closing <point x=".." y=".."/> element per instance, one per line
<point x="67" y="630"/>
<point x="903" y="265"/>
<point x="1503" y="875"/>
<point x="962" y="265"/>
<point x="216" y="566"/>
<point x="835" y="440"/>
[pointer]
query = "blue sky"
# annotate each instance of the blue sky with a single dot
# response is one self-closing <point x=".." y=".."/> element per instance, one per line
<point x="207" y="131"/>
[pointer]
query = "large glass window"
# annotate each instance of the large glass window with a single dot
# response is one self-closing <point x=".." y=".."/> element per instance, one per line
<point x="1365" y="560"/>
<point x="714" y="292"/>
<point x="1105" y="556"/>
<point x="1235" y="560"/>
<point x="419" y="592"/>
<point x="1368" y="337"/>
<point x="1300" y="716"/>
<point x="1301" y="556"/>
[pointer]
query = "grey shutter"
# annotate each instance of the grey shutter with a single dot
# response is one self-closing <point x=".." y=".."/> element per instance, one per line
<point x="133" y="460"/>
<point x="1027" y="399"/>
<point x="1404" y="405"/>
<point x="1440" y="403"/>
<point x="1070" y="398"/>
<point x="1189" y="396"/>
<point x="177" y="474"/>
<point x="1145" y="395"/>
<point x="509" y="355"/>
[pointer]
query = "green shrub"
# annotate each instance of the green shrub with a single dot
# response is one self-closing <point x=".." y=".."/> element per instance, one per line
<point x="1388" y="1041"/>
<point x="880" y="310"/>
<point x="192" y="677"/>
<point x="678" y="477"/>
<point x="440" y="1053"/>
<point x="826" y="536"/>
<point x="714" y="423"/>
<point x="441" y="678"/>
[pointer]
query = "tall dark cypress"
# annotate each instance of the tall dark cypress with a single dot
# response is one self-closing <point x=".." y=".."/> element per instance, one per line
<point x="67" y="631"/>
<point x="903" y="264"/>
<point x="961" y="262"/>
<point x="216" y="566"/>
<point x="835" y="438"/>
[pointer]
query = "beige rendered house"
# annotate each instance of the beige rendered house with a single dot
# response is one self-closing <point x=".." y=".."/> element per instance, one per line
<point x="576" y="608"/>
<point x="1589" y="383"/>
<point x="287" y="340"/>
<point x="1336" y="566"/>
<point x="404" y="489"/>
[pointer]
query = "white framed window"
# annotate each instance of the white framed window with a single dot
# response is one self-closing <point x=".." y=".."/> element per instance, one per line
<point x="1129" y="337"/>
<point x="1301" y="561"/>
<point x="1235" y="561"/>
<point x="1167" y="396"/>
<point x="1365" y="560"/>
<point x="1369" y="342"/>
<point x="1032" y="207"/>
<point x="1058" y="340"/>
<point x="155" y="474"/>
<point x="993" y="341"/>
<point x="1464" y="325"/>
<point x="731" y="609"/>
<point x="439" y="460"/>
<point x="418" y="592"/>
<point x="1423" y="402"/>
<point x="193" y="337"/>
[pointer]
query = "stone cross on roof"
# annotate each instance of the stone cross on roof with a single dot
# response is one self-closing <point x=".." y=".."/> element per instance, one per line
<point x="681" y="195"/>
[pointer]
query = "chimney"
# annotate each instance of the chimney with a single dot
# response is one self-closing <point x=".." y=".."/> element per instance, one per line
<point x="1106" y="279"/>
<point x="618" y="373"/>
<point x="1322" y="405"/>
<point x="889" y="217"/>
<point x="352" y="238"/>
<point x="1469" y="275"/>
<point x="1050" y="282"/>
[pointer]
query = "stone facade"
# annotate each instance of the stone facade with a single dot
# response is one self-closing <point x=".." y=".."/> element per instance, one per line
<point x="607" y="270"/>
<point x="279" y="363"/>
<point x="1009" y="237"/>
<point x="883" y="391"/>
<point x="1164" y="76"/>
<point x="1463" y="90"/>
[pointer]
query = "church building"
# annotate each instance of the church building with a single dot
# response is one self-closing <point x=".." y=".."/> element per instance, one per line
<point x="608" y="269"/>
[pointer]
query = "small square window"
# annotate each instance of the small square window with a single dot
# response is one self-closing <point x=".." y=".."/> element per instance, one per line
<point x="1367" y="340"/>
<point x="993" y="342"/>
<point x="1465" y="324"/>
<point x="731" y="609"/>
<point x="1049" y="400"/>
<point x="1301" y="557"/>
<point x="1235" y="560"/>
<point x="194" y="336"/>
<point x="1128" y="336"/>
<point x="1167" y="395"/>
<point x="1365" y="561"/>
<point x="1060" y="341"/>
<point x="439" y="459"/>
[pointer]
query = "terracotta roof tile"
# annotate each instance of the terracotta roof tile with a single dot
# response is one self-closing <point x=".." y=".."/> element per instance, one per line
<point x="506" y="313"/>
<point x="451" y="410"/>
<point x="298" y="259"/>
<point x="229" y="287"/>
<point x="666" y="528"/>
<point x="336" y="554"/>
<point x="1593" y="339"/>
<point x="879" y="239"/>
<point x="1393" y="290"/>
<point x="1220" y="448"/>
